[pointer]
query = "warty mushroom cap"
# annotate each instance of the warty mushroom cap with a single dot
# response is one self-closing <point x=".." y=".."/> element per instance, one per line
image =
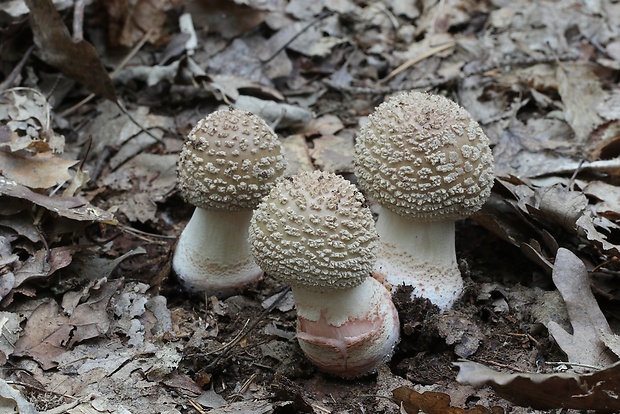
<point x="422" y="156"/>
<point x="313" y="230"/>
<point x="230" y="160"/>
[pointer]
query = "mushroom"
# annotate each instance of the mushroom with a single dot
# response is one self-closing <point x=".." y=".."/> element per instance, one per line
<point x="230" y="160"/>
<point x="314" y="232"/>
<point x="427" y="163"/>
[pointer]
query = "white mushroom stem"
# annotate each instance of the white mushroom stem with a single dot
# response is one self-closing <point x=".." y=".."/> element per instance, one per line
<point x="213" y="253"/>
<point x="347" y="332"/>
<point x="419" y="254"/>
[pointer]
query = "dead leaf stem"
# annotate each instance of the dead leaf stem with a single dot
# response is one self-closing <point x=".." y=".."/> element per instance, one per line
<point x="245" y="330"/>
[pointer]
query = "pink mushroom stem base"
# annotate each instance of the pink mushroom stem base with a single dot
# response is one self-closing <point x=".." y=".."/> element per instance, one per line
<point x="347" y="332"/>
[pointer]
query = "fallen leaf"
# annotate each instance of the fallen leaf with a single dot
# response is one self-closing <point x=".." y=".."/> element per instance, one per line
<point x="27" y="116"/>
<point x="11" y="400"/>
<point x="76" y="208"/>
<point x="581" y="98"/>
<point x="49" y="333"/>
<point x="461" y="332"/>
<point x="584" y="345"/>
<point x="76" y="60"/>
<point x="37" y="171"/>
<point x="276" y="114"/>
<point x="297" y="154"/>
<point x="430" y="402"/>
<point x="45" y="335"/>
<point x="333" y="153"/>
<point x="598" y="391"/>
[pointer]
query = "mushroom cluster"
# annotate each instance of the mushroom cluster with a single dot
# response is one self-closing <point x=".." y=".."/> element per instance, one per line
<point x="229" y="162"/>
<point x="420" y="156"/>
<point x="427" y="163"/>
<point x="314" y="232"/>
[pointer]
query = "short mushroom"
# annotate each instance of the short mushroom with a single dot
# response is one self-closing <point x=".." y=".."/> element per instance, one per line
<point x="427" y="163"/>
<point x="314" y="232"/>
<point x="230" y="160"/>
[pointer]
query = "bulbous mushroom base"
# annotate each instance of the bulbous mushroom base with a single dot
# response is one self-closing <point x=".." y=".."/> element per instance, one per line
<point x="441" y="284"/>
<point x="347" y="332"/>
<point x="220" y="281"/>
<point x="213" y="253"/>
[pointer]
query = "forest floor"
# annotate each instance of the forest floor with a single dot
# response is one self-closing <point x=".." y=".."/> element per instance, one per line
<point x="94" y="321"/>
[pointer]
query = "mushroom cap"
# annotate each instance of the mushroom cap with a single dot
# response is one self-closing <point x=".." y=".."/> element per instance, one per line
<point x="314" y="231"/>
<point x="230" y="161"/>
<point x="422" y="156"/>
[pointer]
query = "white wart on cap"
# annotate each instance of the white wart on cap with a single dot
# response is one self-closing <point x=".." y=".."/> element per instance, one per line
<point x="424" y="160"/>
<point x="314" y="232"/>
<point x="229" y="161"/>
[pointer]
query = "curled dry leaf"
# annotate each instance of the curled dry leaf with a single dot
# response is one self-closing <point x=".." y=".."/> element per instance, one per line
<point x="75" y="208"/>
<point x="12" y="399"/>
<point x="584" y="345"/>
<point x="435" y="403"/>
<point x="598" y="391"/>
<point x="278" y="115"/>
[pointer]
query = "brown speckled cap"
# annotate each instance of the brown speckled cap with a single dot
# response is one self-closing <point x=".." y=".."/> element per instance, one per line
<point x="422" y="156"/>
<point x="314" y="230"/>
<point x="230" y="160"/>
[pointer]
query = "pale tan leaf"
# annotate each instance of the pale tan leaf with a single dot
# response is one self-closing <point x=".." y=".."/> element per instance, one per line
<point x="584" y="345"/>
<point x="597" y="391"/>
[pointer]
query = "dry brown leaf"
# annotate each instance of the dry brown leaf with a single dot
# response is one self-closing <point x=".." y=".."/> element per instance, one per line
<point x="598" y="391"/>
<point x="76" y="208"/>
<point x="39" y="171"/>
<point x="581" y="93"/>
<point x="609" y="196"/>
<point x="297" y="154"/>
<point x="76" y="60"/>
<point x="333" y="153"/>
<point x="435" y="403"/>
<point x="49" y="332"/>
<point x="27" y="116"/>
<point x="44" y="335"/>
<point x="584" y="345"/>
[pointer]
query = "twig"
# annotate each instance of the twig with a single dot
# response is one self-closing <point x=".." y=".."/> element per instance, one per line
<point x="16" y="70"/>
<point x="143" y="234"/>
<point x="524" y="335"/>
<point x="500" y="365"/>
<point x="245" y="331"/>
<point x="124" y="110"/>
<point x="418" y="59"/>
<point x="292" y="39"/>
<point x="42" y="390"/>
<point x="196" y="406"/>
<point x="113" y="74"/>
<point x="237" y="396"/>
<point x="574" y="364"/>
<point x="78" y="20"/>
<point x="62" y="409"/>
<point x="382" y="90"/>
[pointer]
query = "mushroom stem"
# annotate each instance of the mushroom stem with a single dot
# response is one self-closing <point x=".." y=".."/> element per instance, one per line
<point x="347" y="332"/>
<point x="420" y="254"/>
<point x="213" y="253"/>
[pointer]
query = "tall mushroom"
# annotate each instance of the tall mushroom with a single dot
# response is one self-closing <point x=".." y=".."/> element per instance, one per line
<point x="229" y="161"/>
<point x="314" y="232"/>
<point x="427" y="163"/>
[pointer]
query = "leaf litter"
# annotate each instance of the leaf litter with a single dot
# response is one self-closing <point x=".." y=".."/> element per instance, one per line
<point x="93" y="321"/>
